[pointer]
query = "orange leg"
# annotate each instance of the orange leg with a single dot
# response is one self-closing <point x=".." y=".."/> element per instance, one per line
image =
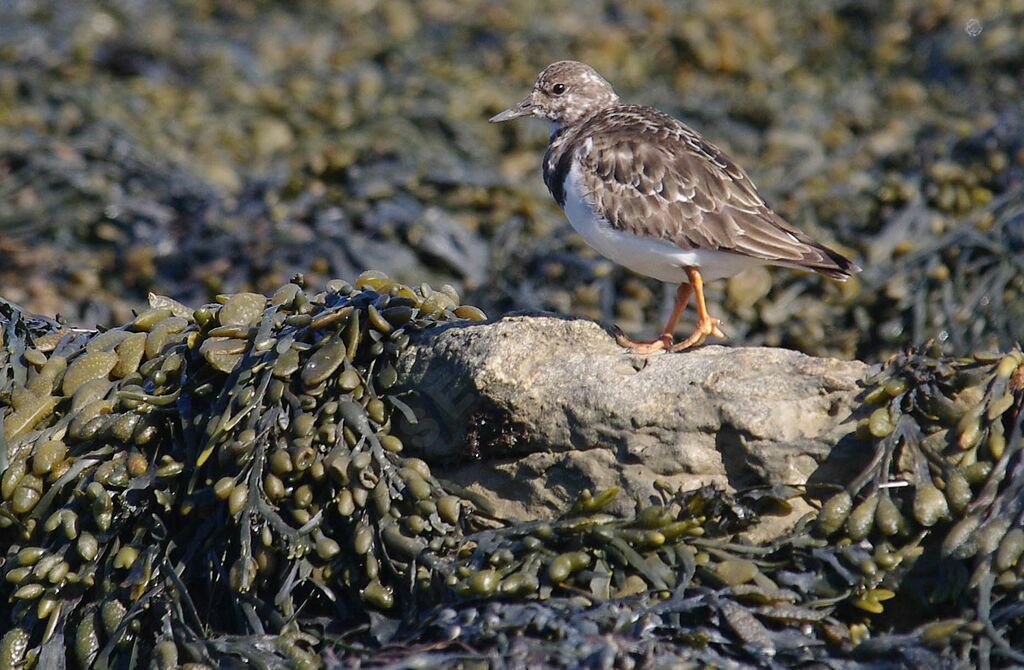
<point x="705" y="324"/>
<point x="665" y="341"/>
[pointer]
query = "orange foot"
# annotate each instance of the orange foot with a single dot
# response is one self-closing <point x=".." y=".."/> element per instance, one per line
<point x="663" y="343"/>
<point x="705" y="327"/>
<point x="644" y="347"/>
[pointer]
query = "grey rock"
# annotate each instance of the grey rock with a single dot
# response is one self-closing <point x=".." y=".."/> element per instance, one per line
<point x="530" y="410"/>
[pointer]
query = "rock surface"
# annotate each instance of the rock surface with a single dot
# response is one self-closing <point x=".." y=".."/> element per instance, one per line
<point x="529" y="410"/>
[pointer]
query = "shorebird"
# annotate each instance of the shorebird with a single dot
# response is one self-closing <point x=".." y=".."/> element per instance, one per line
<point x="648" y="192"/>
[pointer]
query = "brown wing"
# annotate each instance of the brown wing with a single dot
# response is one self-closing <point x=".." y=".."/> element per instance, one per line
<point x="651" y="175"/>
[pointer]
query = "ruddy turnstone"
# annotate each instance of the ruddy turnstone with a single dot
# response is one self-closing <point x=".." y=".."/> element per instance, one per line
<point x="648" y="192"/>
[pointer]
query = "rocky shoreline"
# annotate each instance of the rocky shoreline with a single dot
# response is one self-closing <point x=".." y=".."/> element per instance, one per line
<point x="374" y="474"/>
<point x="219" y="455"/>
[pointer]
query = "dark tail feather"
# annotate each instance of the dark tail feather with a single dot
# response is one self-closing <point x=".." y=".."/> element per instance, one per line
<point x="833" y="264"/>
<point x="814" y="256"/>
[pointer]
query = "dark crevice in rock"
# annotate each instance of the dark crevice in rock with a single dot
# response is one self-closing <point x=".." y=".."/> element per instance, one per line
<point x="743" y="468"/>
<point x="491" y="433"/>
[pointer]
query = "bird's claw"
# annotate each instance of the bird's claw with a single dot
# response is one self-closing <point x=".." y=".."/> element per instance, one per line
<point x="716" y="331"/>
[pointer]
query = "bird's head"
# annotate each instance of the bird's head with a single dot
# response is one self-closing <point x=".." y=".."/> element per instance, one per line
<point x="565" y="93"/>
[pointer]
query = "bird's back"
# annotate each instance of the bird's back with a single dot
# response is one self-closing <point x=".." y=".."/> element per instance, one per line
<point x="653" y="176"/>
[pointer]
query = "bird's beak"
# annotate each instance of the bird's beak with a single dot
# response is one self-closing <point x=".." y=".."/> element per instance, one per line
<point x="524" y="108"/>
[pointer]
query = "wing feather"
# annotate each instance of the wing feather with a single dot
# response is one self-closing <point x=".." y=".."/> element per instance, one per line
<point x="651" y="175"/>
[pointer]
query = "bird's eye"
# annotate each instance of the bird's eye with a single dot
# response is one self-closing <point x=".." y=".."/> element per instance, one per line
<point x="558" y="89"/>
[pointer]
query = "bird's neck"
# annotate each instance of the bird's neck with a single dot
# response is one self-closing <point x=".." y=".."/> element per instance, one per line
<point x="580" y="117"/>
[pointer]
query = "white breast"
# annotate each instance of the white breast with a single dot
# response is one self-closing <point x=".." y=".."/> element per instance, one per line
<point x="644" y="255"/>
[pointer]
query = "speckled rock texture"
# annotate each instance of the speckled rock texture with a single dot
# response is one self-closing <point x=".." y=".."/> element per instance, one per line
<point x="531" y="409"/>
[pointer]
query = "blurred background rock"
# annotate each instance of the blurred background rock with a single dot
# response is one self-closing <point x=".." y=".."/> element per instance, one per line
<point x="197" y="147"/>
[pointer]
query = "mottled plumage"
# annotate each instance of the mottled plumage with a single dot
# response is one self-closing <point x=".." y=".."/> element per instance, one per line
<point x="649" y="192"/>
<point x="650" y="175"/>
